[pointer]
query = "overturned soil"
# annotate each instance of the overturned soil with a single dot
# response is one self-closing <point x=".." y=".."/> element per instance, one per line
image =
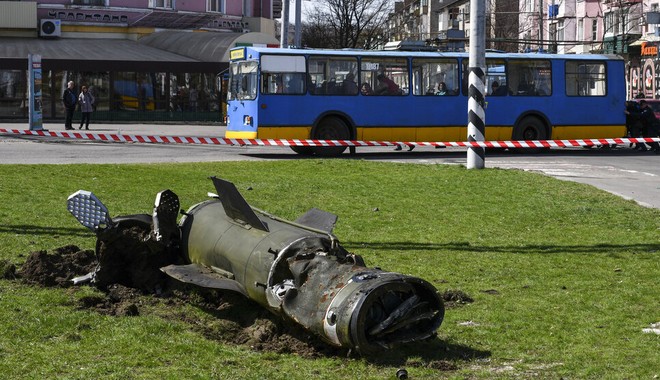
<point x="130" y="283"/>
<point x="57" y="268"/>
<point x="231" y="318"/>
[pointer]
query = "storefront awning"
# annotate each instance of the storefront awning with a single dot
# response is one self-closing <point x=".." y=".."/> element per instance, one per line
<point x="97" y="55"/>
<point x="646" y="39"/>
<point x="205" y="46"/>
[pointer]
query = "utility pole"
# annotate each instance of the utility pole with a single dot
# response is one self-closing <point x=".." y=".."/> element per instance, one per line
<point x="540" y="25"/>
<point x="476" y="156"/>
<point x="296" y="39"/>
<point x="284" y="37"/>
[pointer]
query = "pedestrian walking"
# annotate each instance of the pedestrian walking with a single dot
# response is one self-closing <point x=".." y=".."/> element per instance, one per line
<point x="69" y="99"/>
<point x="86" y="101"/>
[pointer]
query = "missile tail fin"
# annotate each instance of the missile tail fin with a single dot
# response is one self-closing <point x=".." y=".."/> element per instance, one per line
<point x="201" y="276"/>
<point x="319" y="219"/>
<point x="236" y="207"/>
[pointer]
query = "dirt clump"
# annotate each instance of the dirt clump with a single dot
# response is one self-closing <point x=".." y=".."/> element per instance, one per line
<point x="455" y="298"/>
<point x="58" y="267"/>
<point x="118" y="300"/>
<point x="128" y="256"/>
<point x="234" y="319"/>
<point x="7" y="270"/>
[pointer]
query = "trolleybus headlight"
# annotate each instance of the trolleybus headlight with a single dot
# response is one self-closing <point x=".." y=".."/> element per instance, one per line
<point x="247" y="120"/>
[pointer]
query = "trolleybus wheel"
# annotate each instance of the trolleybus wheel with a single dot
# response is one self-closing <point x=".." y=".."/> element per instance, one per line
<point x="530" y="128"/>
<point x="331" y="128"/>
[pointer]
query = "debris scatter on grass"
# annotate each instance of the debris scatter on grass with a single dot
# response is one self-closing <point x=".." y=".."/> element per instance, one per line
<point x="130" y="283"/>
<point x="231" y="318"/>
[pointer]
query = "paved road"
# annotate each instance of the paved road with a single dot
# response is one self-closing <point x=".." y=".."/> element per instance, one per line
<point x="622" y="171"/>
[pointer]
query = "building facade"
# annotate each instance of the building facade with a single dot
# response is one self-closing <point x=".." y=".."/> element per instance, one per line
<point x="142" y="59"/>
<point x="630" y="28"/>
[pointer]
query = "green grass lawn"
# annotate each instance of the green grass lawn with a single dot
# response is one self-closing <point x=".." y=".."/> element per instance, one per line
<point x="564" y="277"/>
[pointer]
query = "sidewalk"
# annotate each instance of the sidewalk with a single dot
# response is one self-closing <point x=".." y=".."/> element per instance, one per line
<point x="207" y="130"/>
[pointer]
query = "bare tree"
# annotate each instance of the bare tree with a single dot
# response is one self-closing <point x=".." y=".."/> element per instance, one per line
<point x="622" y="21"/>
<point x="504" y="25"/>
<point x="316" y="32"/>
<point x="346" y="24"/>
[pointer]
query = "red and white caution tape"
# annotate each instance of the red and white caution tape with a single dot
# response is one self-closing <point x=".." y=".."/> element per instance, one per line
<point x="155" y="139"/>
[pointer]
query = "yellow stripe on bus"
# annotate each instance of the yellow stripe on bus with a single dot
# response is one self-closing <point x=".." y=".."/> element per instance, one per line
<point x="453" y="133"/>
<point x="570" y="132"/>
<point x="302" y="133"/>
<point x="240" y="135"/>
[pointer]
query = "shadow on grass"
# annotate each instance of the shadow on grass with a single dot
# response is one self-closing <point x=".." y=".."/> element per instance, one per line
<point x="524" y="249"/>
<point x="233" y="319"/>
<point x="25" y="229"/>
<point x="432" y="353"/>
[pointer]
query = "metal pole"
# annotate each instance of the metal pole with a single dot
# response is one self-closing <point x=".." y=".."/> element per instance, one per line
<point x="296" y="39"/>
<point x="477" y="67"/>
<point x="540" y="25"/>
<point x="284" y="37"/>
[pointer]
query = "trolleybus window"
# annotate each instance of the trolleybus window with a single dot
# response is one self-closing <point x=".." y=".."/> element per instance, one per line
<point x="333" y="75"/>
<point x="386" y="76"/>
<point x="585" y="78"/>
<point x="242" y="80"/>
<point x="435" y="76"/>
<point x="282" y="74"/>
<point x="530" y="77"/>
<point x="496" y="77"/>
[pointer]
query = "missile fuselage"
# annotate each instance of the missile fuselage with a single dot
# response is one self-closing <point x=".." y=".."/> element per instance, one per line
<point x="298" y="270"/>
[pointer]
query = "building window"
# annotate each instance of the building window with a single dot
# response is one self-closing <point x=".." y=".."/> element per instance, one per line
<point x="594" y="30"/>
<point x="560" y="30"/>
<point x="98" y="3"/>
<point x="167" y="4"/>
<point x="215" y="6"/>
<point x="613" y="22"/>
<point x="580" y="29"/>
<point x="13" y="93"/>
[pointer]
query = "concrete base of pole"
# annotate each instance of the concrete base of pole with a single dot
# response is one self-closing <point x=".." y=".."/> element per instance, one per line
<point x="476" y="158"/>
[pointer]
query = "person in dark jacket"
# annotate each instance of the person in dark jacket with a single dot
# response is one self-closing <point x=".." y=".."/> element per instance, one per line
<point x="650" y="124"/>
<point x="634" y="122"/>
<point x="70" y="99"/>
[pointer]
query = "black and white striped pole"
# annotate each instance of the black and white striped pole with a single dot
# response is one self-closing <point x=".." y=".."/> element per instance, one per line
<point x="476" y="156"/>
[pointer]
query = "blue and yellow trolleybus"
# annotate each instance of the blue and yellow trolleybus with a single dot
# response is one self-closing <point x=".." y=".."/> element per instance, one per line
<point x="419" y="96"/>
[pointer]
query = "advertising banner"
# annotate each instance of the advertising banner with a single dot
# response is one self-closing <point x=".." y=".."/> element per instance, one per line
<point x="34" y="85"/>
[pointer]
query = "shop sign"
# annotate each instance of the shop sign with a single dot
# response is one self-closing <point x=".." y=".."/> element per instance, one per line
<point x="649" y="49"/>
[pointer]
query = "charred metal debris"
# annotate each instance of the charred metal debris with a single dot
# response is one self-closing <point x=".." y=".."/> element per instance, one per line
<point x="297" y="269"/>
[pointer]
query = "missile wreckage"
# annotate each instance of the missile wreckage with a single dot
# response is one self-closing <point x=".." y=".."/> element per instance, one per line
<point x="296" y="269"/>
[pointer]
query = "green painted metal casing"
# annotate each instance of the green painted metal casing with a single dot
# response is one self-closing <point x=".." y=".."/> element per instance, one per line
<point x="211" y="238"/>
<point x="305" y="275"/>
